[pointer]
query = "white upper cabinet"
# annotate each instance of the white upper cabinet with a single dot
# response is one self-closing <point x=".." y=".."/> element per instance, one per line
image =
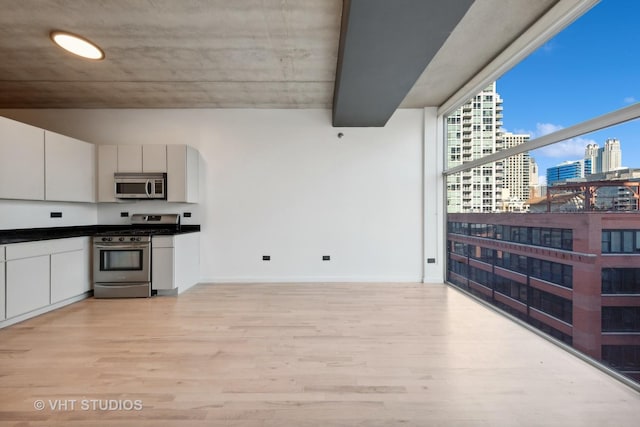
<point x="107" y="166"/>
<point x="182" y="173"/>
<point x="154" y="158"/>
<point x="70" y="169"/>
<point x="21" y="161"/>
<point x="129" y="158"/>
<point x="142" y="158"/>
<point x="180" y="162"/>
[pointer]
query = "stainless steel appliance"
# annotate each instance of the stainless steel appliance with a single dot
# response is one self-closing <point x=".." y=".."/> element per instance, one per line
<point x="122" y="258"/>
<point x="141" y="185"/>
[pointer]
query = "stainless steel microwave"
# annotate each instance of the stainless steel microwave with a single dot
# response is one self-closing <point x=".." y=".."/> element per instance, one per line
<point x="141" y="185"/>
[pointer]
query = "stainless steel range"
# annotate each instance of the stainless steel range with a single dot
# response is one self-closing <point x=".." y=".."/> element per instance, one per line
<point x="122" y="258"/>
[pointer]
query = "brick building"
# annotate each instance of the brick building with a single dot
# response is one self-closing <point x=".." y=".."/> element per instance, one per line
<point x="575" y="276"/>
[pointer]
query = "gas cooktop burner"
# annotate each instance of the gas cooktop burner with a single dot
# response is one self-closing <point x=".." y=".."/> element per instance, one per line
<point x="142" y="226"/>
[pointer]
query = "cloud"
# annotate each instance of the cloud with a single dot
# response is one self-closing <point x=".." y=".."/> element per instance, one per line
<point x="543" y="129"/>
<point x="630" y="100"/>
<point x="570" y="149"/>
<point x="548" y="47"/>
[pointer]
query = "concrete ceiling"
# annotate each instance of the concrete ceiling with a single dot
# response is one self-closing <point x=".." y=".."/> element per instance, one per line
<point x="222" y="53"/>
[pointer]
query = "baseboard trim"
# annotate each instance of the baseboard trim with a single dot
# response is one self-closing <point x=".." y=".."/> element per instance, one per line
<point x="25" y="316"/>
<point x="311" y="279"/>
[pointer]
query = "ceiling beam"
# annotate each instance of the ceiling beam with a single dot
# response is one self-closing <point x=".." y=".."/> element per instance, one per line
<point x="384" y="47"/>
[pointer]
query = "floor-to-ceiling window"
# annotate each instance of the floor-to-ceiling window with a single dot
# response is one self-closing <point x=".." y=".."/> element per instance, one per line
<point x="543" y="189"/>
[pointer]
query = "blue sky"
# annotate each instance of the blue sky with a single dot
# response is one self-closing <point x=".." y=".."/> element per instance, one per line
<point x="591" y="68"/>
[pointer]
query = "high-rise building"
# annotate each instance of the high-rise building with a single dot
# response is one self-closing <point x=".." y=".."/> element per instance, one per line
<point x="517" y="169"/>
<point x="611" y="155"/>
<point x="473" y="131"/>
<point x="534" y="181"/>
<point x="592" y="152"/>
<point x="568" y="170"/>
<point x="604" y="159"/>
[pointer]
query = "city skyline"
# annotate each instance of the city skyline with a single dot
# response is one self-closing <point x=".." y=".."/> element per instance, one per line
<point x="564" y="70"/>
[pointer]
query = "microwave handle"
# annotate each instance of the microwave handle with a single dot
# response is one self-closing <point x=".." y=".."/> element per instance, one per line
<point x="147" y="188"/>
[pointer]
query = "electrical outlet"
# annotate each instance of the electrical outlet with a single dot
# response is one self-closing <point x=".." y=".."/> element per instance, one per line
<point x="187" y="214"/>
<point x="431" y="260"/>
<point x="56" y="214"/>
<point x="124" y="214"/>
<point x="266" y="257"/>
<point x="326" y="257"/>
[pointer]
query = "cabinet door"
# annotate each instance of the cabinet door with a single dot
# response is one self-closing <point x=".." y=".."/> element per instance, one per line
<point x="154" y="158"/>
<point x="70" y="165"/>
<point x="162" y="269"/>
<point x="187" y="260"/>
<point x="2" y="291"/>
<point x="21" y="161"/>
<point x="193" y="175"/>
<point x="69" y="276"/>
<point x="107" y="166"/>
<point x="182" y="174"/>
<point x="130" y="158"/>
<point x="27" y="284"/>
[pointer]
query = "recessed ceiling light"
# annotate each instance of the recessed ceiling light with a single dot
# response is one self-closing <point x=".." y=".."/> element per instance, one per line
<point x="77" y="45"/>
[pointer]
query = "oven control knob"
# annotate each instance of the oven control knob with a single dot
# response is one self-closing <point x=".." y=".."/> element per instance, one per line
<point x="121" y="239"/>
<point x="134" y="239"/>
<point x="106" y="239"/>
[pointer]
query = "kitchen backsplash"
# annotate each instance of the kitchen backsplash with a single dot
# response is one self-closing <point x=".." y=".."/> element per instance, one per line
<point x="34" y="214"/>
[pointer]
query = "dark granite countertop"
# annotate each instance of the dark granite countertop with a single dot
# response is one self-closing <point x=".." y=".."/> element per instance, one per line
<point x="21" y="235"/>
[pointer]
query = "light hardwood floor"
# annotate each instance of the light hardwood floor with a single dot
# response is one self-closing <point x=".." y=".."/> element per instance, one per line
<point x="303" y="355"/>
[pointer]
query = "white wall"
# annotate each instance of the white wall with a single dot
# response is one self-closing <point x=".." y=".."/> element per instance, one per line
<point x="281" y="183"/>
<point x="31" y="214"/>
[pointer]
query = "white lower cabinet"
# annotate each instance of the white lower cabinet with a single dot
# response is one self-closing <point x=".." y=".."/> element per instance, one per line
<point x="69" y="275"/>
<point x="27" y="284"/>
<point x="162" y="269"/>
<point x="175" y="262"/>
<point x="2" y="285"/>
<point x="40" y="274"/>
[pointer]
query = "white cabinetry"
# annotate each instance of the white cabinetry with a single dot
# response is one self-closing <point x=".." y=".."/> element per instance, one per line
<point x="107" y="166"/>
<point x="162" y="268"/>
<point x="69" y="169"/>
<point x="180" y="162"/>
<point x="142" y="158"/>
<point x="70" y="270"/>
<point x="176" y="262"/>
<point x="27" y="284"/>
<point x="27" y="277"/>
<point x="21" y="161"/>
<point x="42" y="273"/>
<point x="154" y="158"/>
<point x="2" y="285"/>
<point x="182" y="173"/>
<point x="129" y="158"/>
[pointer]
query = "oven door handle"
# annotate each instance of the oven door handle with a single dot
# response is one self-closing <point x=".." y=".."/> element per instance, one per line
<point x="121" y="246"/>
